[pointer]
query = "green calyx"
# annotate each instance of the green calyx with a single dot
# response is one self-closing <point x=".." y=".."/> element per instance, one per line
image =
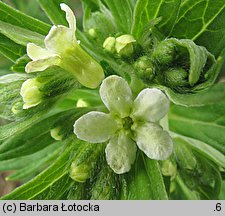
<point x="145" y="68"/>
<point x="164" y="53"/>
<point x="177" y="63"/>
<point x="176" y="77"/>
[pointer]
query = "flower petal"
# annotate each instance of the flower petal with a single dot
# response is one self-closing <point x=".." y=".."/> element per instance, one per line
<point x="59" y="39"/>
<point x="42" y="64"/>
<point x="120" y="153"/>
<point x="116" y="95"/>
<point x="95" y="127"/>
<point x="71" y="19"/>
<point x="150" y="105"/>
<point x="36" y="52"/>
<point x="153" y="140"/>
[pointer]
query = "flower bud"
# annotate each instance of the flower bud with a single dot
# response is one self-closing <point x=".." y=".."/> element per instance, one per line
<point x="176" y="77"/>
<point x="92" y="33"/>
<point x="145" y="69"/>
<point x="168" y="168"/>
<point x="109" y="44"/>
<point x="16" y="107"/>
<point x="81" y="103"/>
<point x="55" y="134"/>
<point x="165" y="52"/>
<point x="79" y="173"/>
<point x="30" y="93"/>
<point x="124" y="45"/>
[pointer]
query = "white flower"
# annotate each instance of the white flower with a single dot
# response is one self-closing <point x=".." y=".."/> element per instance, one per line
<point x="128" y="123"/>
<point x="62" y="49"/>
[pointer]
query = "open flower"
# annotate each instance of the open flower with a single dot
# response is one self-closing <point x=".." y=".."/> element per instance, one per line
<point x="128" y="123"/>
<point x="62" y="49"/>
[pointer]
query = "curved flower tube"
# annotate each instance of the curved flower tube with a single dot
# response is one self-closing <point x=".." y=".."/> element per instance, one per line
<point x="62" y="49"/>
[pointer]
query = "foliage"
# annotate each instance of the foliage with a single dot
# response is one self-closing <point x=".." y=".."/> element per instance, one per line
<point x="179" y="49"/>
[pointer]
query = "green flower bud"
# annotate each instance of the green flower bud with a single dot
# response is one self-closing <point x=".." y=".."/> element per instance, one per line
<point x="124" y="45"/>
<point x="92" y="33"/>
<point x="168" y="168"/>
<point x="176" y="77"/>
<point x="109" y="44"/>
<point x="16" y="108"/>
<point x="165" y="52"/>
<point x="55" y="134"/>
<point x="81" y="103"/>
<point x="30" y="93"/>
<point x="145" y="69"/>
<point x="80" y="173"/>
<point x="86" y="158"/>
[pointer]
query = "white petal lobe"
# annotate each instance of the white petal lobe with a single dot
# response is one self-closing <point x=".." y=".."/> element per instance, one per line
<point x="36" y="52"/>
<point x="121" y="153"/>
<point x="116" y="95"/>
<point x="71" y="19"/>
<point x="95" y="127"/>
<point x="150" y="105"/>
<point x="153" y="141"/>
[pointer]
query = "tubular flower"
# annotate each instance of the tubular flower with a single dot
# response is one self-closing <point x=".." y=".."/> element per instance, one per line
<point x="62" y="49"/>
<point x="128" y="123"/>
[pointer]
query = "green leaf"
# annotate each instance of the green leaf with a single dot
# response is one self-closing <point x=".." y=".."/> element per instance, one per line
<point x="147" y="10"/>
<point x="17" y="18"/>
<point x="203" y="22"/>
<point x="204" y="149"/>
<point x="92" y="4"/>
<point x="51" y="180"/>
<point x="205" y="123"/>
<point x="122" y="14"/>
<point x="20" y="64"/>
<point x="100" y="22"/>
<point x="21" y="162"/>
<point x="20" y="35"/>
<point x="204" y="179"/>
<point x="107" y="185"/>
<point x="10" y="49"/>
<point x="210" y="96"/>
<point x="144" y="181"/>
<point x="53" y="11"/>
<point x="31" y="169"/>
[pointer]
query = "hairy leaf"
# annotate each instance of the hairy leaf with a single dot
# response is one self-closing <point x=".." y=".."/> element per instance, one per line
<point x="122" y="13"/>
<point x="10" y="49"/>
<point x="41" y="186"/>
<point x="53" y="11"/>
<point x="147" y="10"/>
<point x="17" y="18"/>
<point x="205" y="123"/>
<point x="203" y="22"/>
<point x="144" y="181"/>
<point x="20" y="35"/>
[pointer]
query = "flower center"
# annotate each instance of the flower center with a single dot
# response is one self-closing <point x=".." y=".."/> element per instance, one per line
<point x="127" y="123"/>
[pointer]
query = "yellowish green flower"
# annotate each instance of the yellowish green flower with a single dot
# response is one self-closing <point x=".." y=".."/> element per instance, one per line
<point x="55" y="133"/>
<point x="128" y="123"/>
<point x="30" y="93"/>
<point x="122" y="45"/>
<point x="62" y="49"/>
